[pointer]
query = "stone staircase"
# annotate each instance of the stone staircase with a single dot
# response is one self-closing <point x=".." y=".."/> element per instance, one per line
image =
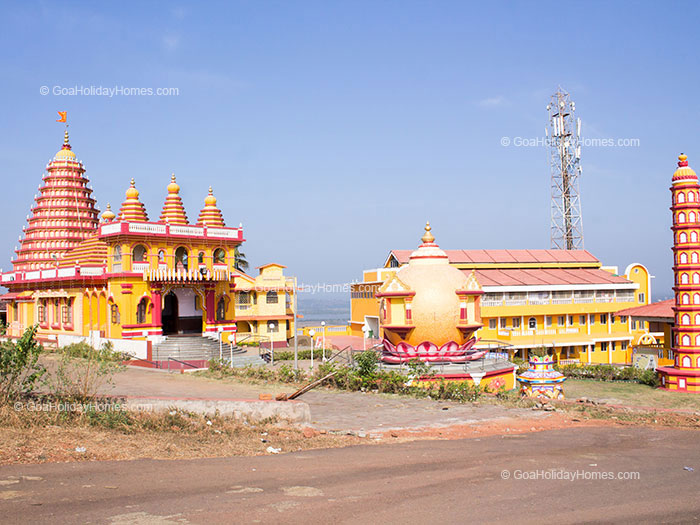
<point x="191" y="347"/>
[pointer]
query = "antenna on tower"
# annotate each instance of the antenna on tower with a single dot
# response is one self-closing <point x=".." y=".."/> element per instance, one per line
<point x="565" y="156"/>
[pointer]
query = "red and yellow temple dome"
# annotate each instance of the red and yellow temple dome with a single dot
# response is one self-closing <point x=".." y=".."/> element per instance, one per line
<point x="63" y="216"/>
<point x="210" y="214"/>
<point x="683" y="173"/>
<point x="173" y="209"/>
<point x="132" y="209"/>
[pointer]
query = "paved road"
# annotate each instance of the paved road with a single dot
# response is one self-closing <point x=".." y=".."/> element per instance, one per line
<point x="418" y="482"/>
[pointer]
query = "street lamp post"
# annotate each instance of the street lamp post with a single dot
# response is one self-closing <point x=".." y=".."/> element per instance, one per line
<point x="270" y="326"/>
<point x="296" y="348"/>
<point x="312" y="333"/>
<point x="323" y="343"/>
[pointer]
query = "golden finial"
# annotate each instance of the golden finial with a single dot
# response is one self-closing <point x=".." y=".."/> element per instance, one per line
<point x="428" y="237"/>
<point x="133" y="183"/>
<point x="65" y="138"/>
<point x="172" y="177"/>
<point x="211" y="192"/>
<point x="682" y="160"/>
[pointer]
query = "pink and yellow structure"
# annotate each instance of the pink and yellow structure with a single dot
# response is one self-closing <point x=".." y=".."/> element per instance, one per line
<point x="128" y="278"/>
<point x="684" y="375"/>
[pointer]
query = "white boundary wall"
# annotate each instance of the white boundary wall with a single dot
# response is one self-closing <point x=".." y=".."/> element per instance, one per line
<point x="137" y="349"/>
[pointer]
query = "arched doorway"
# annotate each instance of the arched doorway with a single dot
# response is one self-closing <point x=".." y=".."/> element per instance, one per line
<point x="170" y="314"/>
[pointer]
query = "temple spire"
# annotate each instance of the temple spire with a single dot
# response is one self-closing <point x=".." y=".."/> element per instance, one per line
<point x="132" y="209"/>
<point x="173" y="210"/>
<point x="210" y="214"/>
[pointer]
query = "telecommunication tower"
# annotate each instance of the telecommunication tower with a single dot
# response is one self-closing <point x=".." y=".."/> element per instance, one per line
<point x="564" y="141"/>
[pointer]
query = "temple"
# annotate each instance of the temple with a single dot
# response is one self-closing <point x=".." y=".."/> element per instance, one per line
<point x="124" y="278"/>
<point x="684" y="374"/>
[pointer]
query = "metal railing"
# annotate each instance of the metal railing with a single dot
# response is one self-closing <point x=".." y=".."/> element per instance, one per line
<point x="181" y="362"/>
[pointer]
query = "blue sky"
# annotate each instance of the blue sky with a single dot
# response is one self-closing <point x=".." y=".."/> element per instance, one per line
<point x="334" y="130"/>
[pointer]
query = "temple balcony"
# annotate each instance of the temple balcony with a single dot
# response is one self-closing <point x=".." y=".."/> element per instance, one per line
<point x="167" y="230"/>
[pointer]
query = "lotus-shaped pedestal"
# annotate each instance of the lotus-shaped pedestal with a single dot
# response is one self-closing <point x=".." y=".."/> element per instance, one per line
<point x="426" y="351"/>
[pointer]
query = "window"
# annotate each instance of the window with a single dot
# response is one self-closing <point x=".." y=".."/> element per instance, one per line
<point x="219" y="256"/>
<point x="181" y="258"/>
<point x="516" y="322"/>
<point x="532" y="323"/>
<point x="603" y="318"/>
<point x="691" y="196"/>
<point x="221" y="309"/>
<point x="503" y="322"/>
<point x="685" y="298"/>
<point x="680" y="198"/>
<point x="681" y="217"/>
<point x="67" y="313"/>
<point x="243" y="298"/>
<point x="604" y="346"/>
<point x="641" y="295"/>
<point x="591" y="319"/>
<point x="273" y="327"/>
<point x="623" y="345"/>
<point x="272" y="298"/>
<point x="685" y="340"/>
<point x="161" y="256"/>
<point x="623" y="318"/>
<point x="684" y="258"/>
<point x="200" y="258"/>
<point x="493" y="324"/>
<point x="683" y="237"/>
<point x="115" y="314"/>
<point x="117" y="254"/>
<point x="686" y="361"/>
<point x="141" y="311"/>
<point x="685" y="319"/>
<point x="561" y="320"/>
<point x="696" y="278"/>
<point x="582" y="319"/>
<point x="548" y="320"/>
<point x="41" y="314"/>
<point x="138" y="254"/>
<point x="571" y="320"/>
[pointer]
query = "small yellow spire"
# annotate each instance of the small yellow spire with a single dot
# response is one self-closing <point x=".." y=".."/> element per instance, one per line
<point x="108" y="214"/>
<point x="428" y="237"/>
<point x="66" y="142"/>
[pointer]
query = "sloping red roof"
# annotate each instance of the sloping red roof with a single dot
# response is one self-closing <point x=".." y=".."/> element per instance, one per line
<point x="508" y="256"/>
<point x="660" y="310"/>
<point x="545" y="276"/>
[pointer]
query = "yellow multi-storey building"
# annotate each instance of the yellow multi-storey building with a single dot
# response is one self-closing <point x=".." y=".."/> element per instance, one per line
<point x="134" y="281"/>
<point x="561" y="299"/>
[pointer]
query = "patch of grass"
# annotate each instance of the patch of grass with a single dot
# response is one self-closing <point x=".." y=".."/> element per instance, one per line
<point x="631" y="394"/>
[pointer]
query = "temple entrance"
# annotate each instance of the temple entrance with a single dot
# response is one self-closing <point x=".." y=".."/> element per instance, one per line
<point x="182" y="312"/>
<point x="169" y="317"/>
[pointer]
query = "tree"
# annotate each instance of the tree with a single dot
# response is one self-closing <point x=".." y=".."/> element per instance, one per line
<point x="19" y="366"/>
<point x="240" y="263"/>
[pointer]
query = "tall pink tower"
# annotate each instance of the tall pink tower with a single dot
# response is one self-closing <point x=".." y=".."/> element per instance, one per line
<point x="64" y="214"/>
<point x="684" y="376"/>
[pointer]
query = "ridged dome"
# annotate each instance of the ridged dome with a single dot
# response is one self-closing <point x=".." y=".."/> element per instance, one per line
<point x="210" y="214"/>
<point x="173" y="210"/>
<point x="683" y="173"/>
<point x="132" y="209"/>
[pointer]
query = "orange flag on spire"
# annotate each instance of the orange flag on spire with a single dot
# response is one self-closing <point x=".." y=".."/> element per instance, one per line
<point x="63" y="115"/>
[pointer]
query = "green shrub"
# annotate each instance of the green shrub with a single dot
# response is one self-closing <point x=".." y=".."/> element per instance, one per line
<point x="610" y="373"/>
<point x="19" y="366"/>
